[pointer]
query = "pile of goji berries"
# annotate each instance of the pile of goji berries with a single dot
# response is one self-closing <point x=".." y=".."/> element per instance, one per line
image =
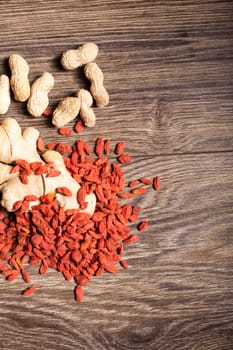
<point x="75" y="243"/>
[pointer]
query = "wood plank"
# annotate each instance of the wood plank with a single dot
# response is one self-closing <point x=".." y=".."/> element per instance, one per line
<point x="168" y="68"/>
<point x="173" y="87"/>
<point x="177" y="292"/>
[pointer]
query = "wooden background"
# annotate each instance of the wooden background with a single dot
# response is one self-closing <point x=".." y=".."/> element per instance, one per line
<point x="169" y="71"/>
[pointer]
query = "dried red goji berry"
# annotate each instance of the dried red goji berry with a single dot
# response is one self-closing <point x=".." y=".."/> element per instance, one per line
<point x="31" y="198"/>
<point x="65" y="191"/>
<point x="107" y="146"/>
<point x="111" y="268"/>
<point x="146" y="181"/>
<point x="81" y="195"/>
<point x="99" y="146"/>
<point x="120" y="147"/>
<point x="28" y="291"/>
<point x="53" y="173"/>
<point x="40" y="144"/>
<point x="63" y="148"/>
<point x="43" y="267"/>
<point x="140" y="190"/>
<point x="133" y="183"/>
<point x="13" y="276"/>
<point x="124" y="264"/>
<point x="23" y="178"/>
<point x="64" y="131"/>
<point x="25" y="275"/>
<point x="156" y="182"/>
<point x="79" y="126"/>
<point x="35" y="165"/>
<point x="143" y="225"/>
<point x="79" y="293"/>
<point x="124" y="159"/>
<point x="131" y="239"/>
<point x="51" y="145"/>
<point x="48" y="112"/>
<point x="126" y="195"/>
<point x="15" y="169"/>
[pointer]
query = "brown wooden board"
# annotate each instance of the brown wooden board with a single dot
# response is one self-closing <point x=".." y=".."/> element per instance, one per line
<point x="168" y="67"/>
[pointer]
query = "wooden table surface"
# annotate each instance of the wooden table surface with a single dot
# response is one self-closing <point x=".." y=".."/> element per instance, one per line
<point x="168" y="69"/>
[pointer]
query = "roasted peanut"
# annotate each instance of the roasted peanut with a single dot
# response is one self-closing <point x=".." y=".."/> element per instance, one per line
<point x="86" y="112"/>
<point x="19" y="77"/>
<point x="5" y="98"/>
<point x="94" y="74"/>
<point x="67" y="110"/>
<point x="86" y="53"/>
<point x="38" y="100"/>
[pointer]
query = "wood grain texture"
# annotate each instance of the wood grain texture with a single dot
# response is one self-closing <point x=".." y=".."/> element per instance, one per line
<point x="168" y="68"/>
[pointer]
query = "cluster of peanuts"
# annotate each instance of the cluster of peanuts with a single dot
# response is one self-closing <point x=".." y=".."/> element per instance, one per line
<point x="36" y="95"/>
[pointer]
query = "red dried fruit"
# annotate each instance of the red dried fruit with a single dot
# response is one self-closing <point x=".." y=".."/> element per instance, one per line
<point x="25" y="275"/>
<point x="13" y="276"/>
<point x="99" y="146"/>
<point x="156" y="183"/>
<point x="65" y="191"/>
<point x="64" y="131"/>
<point x="79" y="126"/>
<point x="126" y="195"/>
<point x="120" y="147"/>
<point x="125" y="159"/>
<point x="15" y="169"/>
<point x="146" y="181"/>
<point x="63" y="148"/>
<point x="133" y="183"/>
<point x="51" y="145"/>
<point x="131" y="239"/>
<point x="79" y="293"/>
<point x="28" y="291"/>
<point x="124" y="264"/>
<point x="143" y="225"/>
<point x="107" y="147"/>
<point x="53" y="173"/>
<point x="140" y="190"/>
<point x="23" y="179"/>
<point x="48" y="112"/>
<point x="40" y="144"/>
<point x="35" y="165"/>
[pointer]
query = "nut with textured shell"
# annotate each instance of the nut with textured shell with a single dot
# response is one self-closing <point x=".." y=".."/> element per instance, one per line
<point x="86" y="112"/>
<point x="38" y="100"/>
<point x="66" y="111"/>
<point x="86" y="53"/>
<point x="19" y="77"/>
<point x="95" y="75"/>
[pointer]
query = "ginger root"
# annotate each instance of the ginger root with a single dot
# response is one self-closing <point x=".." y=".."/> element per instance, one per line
<point x="17" y="145"/>
<point x="65" y="179"/>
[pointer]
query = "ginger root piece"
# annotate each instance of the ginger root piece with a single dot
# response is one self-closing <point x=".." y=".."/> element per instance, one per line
<point x="65" y="179"/>
<point x="17" y="145"/>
